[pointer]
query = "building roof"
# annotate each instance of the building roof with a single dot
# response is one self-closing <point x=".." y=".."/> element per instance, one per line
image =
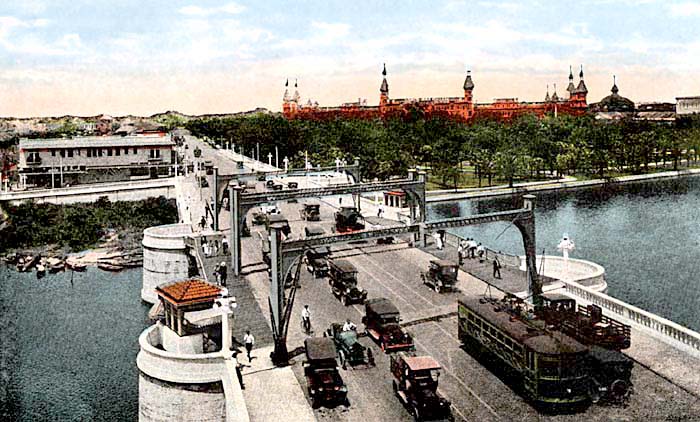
<point x="188" y="291"/>
<point x="421" y="363"/>
<point x="688" y="98"/>
<point x="96" y="142"/>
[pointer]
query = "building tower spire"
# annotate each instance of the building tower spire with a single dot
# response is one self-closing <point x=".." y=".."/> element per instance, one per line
<point x="546" y="97"/>
<point x="384" y="89"/>
<point x="614" y="89"/>
<point x="555" y="97"/>
<point x="581" y="88"/>
<point x="285" y="99"/>
<point x="296" y="96"/>
<point x="571" y="88"/>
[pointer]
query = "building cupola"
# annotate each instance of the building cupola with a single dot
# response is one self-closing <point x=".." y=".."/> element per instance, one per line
<point x="581" y="88"/>
<point x="468" y="83"/>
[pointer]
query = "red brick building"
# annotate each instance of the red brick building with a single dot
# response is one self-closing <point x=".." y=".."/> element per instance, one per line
<point x="463" y="107"/>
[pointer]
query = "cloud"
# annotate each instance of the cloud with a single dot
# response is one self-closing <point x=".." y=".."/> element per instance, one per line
<point x="229" y="8"/>
<point x="684" y="10"/>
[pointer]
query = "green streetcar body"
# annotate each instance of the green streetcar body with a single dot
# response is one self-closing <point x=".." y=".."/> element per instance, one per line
<point x="554" y="369"/>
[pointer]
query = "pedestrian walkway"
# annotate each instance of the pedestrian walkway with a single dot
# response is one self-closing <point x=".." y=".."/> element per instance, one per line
<point x="271" y="393"/>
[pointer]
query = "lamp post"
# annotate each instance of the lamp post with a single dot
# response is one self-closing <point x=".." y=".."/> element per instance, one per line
<point x="565" y="246"/>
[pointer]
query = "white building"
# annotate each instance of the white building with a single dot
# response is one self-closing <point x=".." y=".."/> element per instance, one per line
<point x="687" y="105"/>
<point x="57" y="162"/>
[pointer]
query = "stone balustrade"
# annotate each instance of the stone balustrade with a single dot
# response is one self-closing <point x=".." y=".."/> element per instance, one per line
<point x="659" y="325"/>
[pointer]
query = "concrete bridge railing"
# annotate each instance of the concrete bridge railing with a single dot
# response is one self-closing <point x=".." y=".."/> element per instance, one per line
<point x="192" y="369"/>
<point x="509" y="260"/>
<point x="663" y="327"/>
<point x="177" y="367"/>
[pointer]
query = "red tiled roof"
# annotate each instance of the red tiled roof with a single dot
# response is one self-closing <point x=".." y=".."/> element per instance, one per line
<point x="419" y="363"/>
<point x="188" y="291"/>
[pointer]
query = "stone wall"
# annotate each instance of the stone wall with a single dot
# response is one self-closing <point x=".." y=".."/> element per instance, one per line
<point x="161" y="401"/>
<point x="164" y="257"/>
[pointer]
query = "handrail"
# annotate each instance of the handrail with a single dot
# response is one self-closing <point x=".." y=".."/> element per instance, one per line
<point x="666" y="328"/>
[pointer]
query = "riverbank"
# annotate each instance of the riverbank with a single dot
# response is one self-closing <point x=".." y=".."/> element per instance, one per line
<point x="104" y="233"/>
<point x="568" y="183"/>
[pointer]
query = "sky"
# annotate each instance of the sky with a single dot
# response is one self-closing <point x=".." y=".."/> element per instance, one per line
<point x="123" y="57"/>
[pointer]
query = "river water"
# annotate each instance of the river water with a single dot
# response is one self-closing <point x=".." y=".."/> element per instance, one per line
<point x="646" y="235"/>
<point x="68" y="351"/>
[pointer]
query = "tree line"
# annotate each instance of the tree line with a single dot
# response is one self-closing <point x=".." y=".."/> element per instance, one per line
<point x="80" y="226"/>
<point x="524" y="148"/>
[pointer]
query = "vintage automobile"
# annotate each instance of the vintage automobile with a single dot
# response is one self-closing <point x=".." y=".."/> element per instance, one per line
<point x="278" y="219"/>
<point x="350" y="351"/>
<point x="415" y="384"/>
<point x="316" y="260"/>
<point x="314" y="230"/>
<point x="310" y="212"/>
<point x="348" y="219"/>
<point x="342" y="277"/>
<point x="260" y="217"/>
<point x="293" y="185"/>
<point x="269" y="183"/>
<point x="441" y="275"/>
<point x="382" y="324"/>
<point x="324" y="383"/>
<point x="277" y="186"/>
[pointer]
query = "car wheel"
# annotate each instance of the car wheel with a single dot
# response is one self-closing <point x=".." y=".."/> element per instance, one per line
<point x="416" y="414"/>
<point x="437" y="288"/>
<point x="395" y="387"/>
<point x="382" y="345"/>
<point x="347" y="402"/>
<point x="345" y="301"/>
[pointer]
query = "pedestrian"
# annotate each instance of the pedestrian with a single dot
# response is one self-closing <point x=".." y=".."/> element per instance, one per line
<point x="249" y="342"/>
<point x="203" y="222"/>
<point x="215" y="248"/>
<point x="442" y="238"/>
<point x="217" y="274"/>
<point x="306" y="319"/>
<point x="224" y="245"/>
<point x="239" y="367"/>
<point x="480" y="252"/>
<point x="207" y="249"/>
<point x="380" y="211"/>
<point x="223" y="272"/>
<point x="460" y="249"/>
<point x="340" y="200"/>
<point x="438" y="241"/>
<point x="496" y="268"/>
<point x="472" y="249"/>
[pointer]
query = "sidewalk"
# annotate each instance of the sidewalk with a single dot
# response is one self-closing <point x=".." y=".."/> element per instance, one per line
<point x="271" y="393"/>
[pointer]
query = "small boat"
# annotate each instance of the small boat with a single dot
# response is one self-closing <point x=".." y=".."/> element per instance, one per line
<point x="11" y="258"/>
<point x="76" y="266"/>
<point x="27" y="263"/>
<point x="55" y="265"/>
<point x="106" y="266"/>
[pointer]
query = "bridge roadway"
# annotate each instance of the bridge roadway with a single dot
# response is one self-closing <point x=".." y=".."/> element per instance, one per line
<point x="476" y="393"/>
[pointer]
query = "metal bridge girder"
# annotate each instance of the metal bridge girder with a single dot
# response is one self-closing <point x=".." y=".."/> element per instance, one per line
<point x="253" y="199"/>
